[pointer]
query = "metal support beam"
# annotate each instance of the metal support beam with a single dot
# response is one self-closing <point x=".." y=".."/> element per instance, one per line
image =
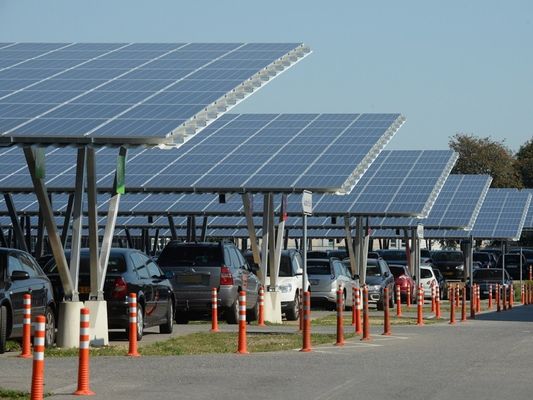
<point x="272" y="242"/>
<point x="3" y="240"/>
<point x="39" y="245"/>
<point x="92" y="216"/>
<point x="27" y="225"/>
<point x="349" y="244"/>
<point x="264" y="243"/>
<point x="17" y="229"/>
<point x="247" y="203"/>
<point x="66" y="220"/>
<point x="359" y="249"/>
<point x="203" y="236"/>
<point x="193" y="228"/>
<point x="172" y="226"/>
<point x="49" y="222"/>
<point x="128" y="238"/>
<point x="156" y="240"/>
<point x="286" y="239"/>
<point x="109" y="232"/>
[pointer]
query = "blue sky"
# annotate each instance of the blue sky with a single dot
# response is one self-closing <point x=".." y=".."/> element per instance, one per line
<point x="448" y="66"/>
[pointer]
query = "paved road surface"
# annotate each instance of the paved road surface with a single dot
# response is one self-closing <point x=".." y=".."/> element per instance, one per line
<point x="489" y="358"/>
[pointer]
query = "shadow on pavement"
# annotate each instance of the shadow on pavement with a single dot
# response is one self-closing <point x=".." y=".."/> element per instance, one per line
<point x="516" y="314"/>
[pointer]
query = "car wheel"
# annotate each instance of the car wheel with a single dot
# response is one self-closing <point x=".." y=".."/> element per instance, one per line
<point x="3" y="329"/>
<point x="168" y="326"/>
<point x="50" y="327"/>
<point x="232" y="313"/>
<point x="294" y="308"/>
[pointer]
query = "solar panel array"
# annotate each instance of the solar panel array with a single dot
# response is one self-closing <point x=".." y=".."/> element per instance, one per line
<point x="502" y="216"/>
<point x="456" y="207"/>
<point x="528" y="224"/>
<point x="236" y="153"/>
<point x="136" y="93"/>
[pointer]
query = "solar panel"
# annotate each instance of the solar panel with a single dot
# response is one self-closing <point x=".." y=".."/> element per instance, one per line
<point x="502" y="216"/>
<point x="528" y="224"/>
<point x="456" y="207"/>
<point x="236" y="153"/>
<point x="128" y="93"/>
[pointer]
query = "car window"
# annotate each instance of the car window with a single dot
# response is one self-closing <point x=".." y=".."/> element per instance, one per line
<point x="346" y="270"/>
<point x="397" y="271"/>
<point x="425" y="273"/>
<point x="28" y="266"/>
<point x="191" y="255"/>
<point x="373" y="270"/>
<point x="241" y="259"/>
<point x="285" y="266"/>
<point x="139" y="263"/>
<point x="337" y="266"/>
<point x="298" y="262"/>
<point x="13" y="264"/>
<point x="234" y="258"/>
<point x="153" y="269"/>
<point x="383" y="267"/>
<point x="318" y="268"/>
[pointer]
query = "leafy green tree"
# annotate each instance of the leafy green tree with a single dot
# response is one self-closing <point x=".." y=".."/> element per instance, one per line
<point x="524" y="160"/>
<point x="486" y="156"/>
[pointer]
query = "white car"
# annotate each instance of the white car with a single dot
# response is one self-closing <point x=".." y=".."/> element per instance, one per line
<point x="325" y="277"/>
<point x="289" y="281"/>
<point x="427" y="279"/>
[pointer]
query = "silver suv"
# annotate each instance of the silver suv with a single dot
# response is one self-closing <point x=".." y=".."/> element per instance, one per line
<point x="195" y="268"/>
<point x="325" y="277"/>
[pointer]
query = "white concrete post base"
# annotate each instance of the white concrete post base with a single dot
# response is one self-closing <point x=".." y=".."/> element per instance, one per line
<point x="98" y="322"/>
<point x="273" y="307"/>
<point x="68" y="333"/>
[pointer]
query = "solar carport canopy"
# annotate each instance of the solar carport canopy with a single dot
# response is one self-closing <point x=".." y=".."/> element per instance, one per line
<point x="128" y="93"/>
<point x="236" y="153"/>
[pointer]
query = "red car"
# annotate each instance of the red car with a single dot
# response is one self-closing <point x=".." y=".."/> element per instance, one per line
<point x="403" y="278"/>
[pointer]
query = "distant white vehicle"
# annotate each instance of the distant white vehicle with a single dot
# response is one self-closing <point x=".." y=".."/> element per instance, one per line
<point x="427" y="279"/>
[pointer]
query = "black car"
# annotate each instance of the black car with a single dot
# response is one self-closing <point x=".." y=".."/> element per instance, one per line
<point x="331" y="253"/>
<point x="449" y="262"/>
<point x="393" y="256"/>
<point x="443" y="292"/>
<point x="528" y="254"/>
<point x="195" y="268"/>
<point x="379" y="277"/>
<point x="512" y="265"/>
<point x="486" y="260"/>
<point x="20" y="274"/>
<point x="128" y="271"/>
<point x="486" y="277"/>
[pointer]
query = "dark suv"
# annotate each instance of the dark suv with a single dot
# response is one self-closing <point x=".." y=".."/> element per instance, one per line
<point x="128" y="271"/>
<point x="195" y="268"/>
<point x="379" y="277"/>
<point x="20" y="274"/>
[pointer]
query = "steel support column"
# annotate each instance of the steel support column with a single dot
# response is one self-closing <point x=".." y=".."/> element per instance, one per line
<point x="246" y="201"/>
<point x="17" y="229"/>
<point x="49" y="222"/>
<point x="66" y="220"/>
<point x="39" y="245"/>
<point x="28" y="232"/>
<point x="203" y="235"/>
<point x="265" y="242"/>
<point x="156" y="239"/>
<point x="92" y="216"/>
<point x="172" y="226"/>
<point x="3" y="239"/>
<point x="128" y="238"/>
<point x="349" y="244"/>
<point x="272" y="242"/>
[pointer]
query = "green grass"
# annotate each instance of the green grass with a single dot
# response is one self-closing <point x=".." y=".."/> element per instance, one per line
<point x="7" y="394"/>
<point x="331" y="320"/>
<point x="207" y="343"/>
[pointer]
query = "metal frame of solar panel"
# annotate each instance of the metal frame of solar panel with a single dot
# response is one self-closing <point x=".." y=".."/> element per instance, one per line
<point x="128" y="93"/>
<point x="528" y="224"/>
<point x="236" y="153"/>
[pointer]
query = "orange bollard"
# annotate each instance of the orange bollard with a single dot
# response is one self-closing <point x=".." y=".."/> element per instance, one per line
<point x="358" y="328"/>
<point x="366" y="317"/>
<point x="478" y="299"/>
<point x="261" y="320"/>
<point x="457" y="296"/>
<point x="463" y="306"/>
<point x="132" y="352"/>
<point x="214" y="310"/>
<point x="83" y="365"/>
<point x="242" y="344"/>
<point x="340" y="322"/>
<point x="498" y="308"/>
<point x="420" y="305"/>
<point x="26" y="328"/>
<point x="306" y="335"/>
<point x="452" y="311"/>
<point x="490" y="297"/>
<point x="386" y="319"/>
<point x="511" y="296"/>
<point x="37" y="374"/>
<point x="408" y="301"/>
<point x="522" y="294"/>
<point x="504" y="298"/>
<point x="398" y="301"/>
<point x="437" y="302"/>
<point x="433" y="305"/>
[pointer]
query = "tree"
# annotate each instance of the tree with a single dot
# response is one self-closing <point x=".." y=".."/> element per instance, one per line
<point x="486" y="156"/>
<point x="524" y="160"/>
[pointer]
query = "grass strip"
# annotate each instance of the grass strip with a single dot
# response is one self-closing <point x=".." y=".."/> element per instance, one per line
<point x="8" y="394"/>
<point x="331" y="320"/>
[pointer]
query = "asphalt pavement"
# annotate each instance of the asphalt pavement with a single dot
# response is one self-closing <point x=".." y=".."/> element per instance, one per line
<point x="487" y="358"/>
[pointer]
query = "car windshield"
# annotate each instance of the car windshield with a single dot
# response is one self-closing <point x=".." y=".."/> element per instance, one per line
<point x="487" y="274"/>
<point x="447" y="256"/>
<point x="425" y="253"/>
<point x="373" y="270"/>
<point x="425" y="273"/>
<point x="201" y="256"/>
<point x="318" y="268"/>
<point x="510" y="259"/>
<point x="285" y="266"/>
<point x="393" y="255"/>
<point x="397" y="271"/>
<point x="116" y="265"/>
<point x="483" y="257"/>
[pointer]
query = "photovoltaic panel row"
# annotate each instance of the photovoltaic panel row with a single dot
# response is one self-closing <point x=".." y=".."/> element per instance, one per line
<point x="528" y="224"/>
<point x="136" y="93"/>
<point x="456" y="207"/>
<point x="236" y="153"/>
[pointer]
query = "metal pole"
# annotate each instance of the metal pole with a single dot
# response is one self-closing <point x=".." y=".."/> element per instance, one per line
<point x="203" y="237"/>
<point x="503" y="263"/>
<point x="3" y="238"/>
<point x="304" y="254"/>
<point x="28" y="232"/>
<point x="156" y="240"/>
<point x="66" y="220"/>
<point x="39" y="246"/>
<point x="17" y="229"/>
<point x="172" y="226"/>
<point x="128" y="238"/>
<point x="93" y="224"/>
<point x="264" y="244"/>
<point x="521" y="267"/>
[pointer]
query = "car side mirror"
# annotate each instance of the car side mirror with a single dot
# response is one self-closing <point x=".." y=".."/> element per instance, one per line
<point x="19" y="275"/>
<point x="386" y="274"/>
<point x="355" y="277"/>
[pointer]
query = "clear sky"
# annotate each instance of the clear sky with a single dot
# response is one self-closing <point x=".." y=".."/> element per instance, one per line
<point x="448" y="66"/>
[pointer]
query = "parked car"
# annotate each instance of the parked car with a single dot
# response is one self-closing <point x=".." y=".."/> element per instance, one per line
<point x="443" y="288"/>
<point x="379" y="277"/>
<point x="393" y="256"/>
<point x="496" y="252"/>
<point x="289" y="280"/>
<point x="449" y="262"/>
<point x="485" y="277"/>
<point x="128" y="271"/>
<point x="427" y="279"/>
<point x="331" y="253"/>
<point x="325" y="276"/>
<point x="195" y="268"/>
<point x="485" y="259"/>
<point x="21" y="274"/>
<point x="403" y="279"/>
<point x="425" y="256"/>
<point x="526" y="252"/>
<point x="512" y="265"/>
